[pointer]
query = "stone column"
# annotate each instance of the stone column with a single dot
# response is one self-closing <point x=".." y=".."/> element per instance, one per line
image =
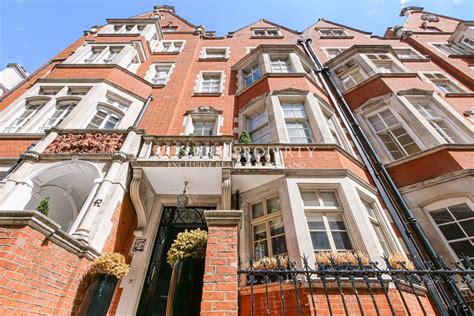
<point x="220" y="287"/>
<point x="226" y="190"/>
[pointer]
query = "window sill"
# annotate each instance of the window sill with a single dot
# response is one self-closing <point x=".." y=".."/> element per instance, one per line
<point x="207" y="94"/>
<point x="153" y="85"/>
<point x="418" y="60"/>
<point x="166" y="53"/>
<point x="118" y="34"/>
<point x="336" y="37"/>
<point x="459" y="95"/>
<point x="214" y="59"/>
<point x="459" y="56"/>
<point x="267" y="37"/>
<point x="380" y="75"/>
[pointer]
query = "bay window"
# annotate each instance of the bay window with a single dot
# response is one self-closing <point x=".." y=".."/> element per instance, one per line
<point x="374" y="215"/>
<point x="393" y="134"/>
<point x="438" y="122"/>
<point x="297" y="123"/>
<point x="30" y="109"/>
<point x="384" y="63"/>
<point x="251" y="74"/>
<point x="268" y="231"/>
<point x="61" y="111"/>
<point x="280" y="64"/>
<point x="442" y="82"/>
<point x="104" y="119"/>
<point x="257" y="125"/>
<point x="325" y="220"/>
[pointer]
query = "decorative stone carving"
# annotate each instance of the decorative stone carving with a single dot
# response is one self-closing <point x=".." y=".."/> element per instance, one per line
<point x="87" y="143"/>
<point x="429" y="17"/>
<point x="32" y="156"/>
<point x="119" y="156"/>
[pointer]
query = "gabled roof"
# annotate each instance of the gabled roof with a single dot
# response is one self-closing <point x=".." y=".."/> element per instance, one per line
<point x="337" y="24"/>
<point x="267" y="22"/>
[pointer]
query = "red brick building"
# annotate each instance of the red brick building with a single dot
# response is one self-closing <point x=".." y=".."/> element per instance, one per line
<point x="359" y="142"/>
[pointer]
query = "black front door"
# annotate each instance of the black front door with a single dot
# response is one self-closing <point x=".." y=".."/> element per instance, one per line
<point x="155" y="290"/>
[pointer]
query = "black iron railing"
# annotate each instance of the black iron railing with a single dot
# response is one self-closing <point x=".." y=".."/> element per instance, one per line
<point x="282" y="287"/>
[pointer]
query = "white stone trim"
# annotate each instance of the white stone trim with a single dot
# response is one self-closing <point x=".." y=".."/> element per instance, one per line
<point x="198" y="81"/>
<point x="150" y="73"/>
<point x="203" y="52"/>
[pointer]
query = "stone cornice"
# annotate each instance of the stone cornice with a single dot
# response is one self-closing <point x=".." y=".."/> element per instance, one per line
<point x="223" y="217"/>
<point x="50" y="229"/>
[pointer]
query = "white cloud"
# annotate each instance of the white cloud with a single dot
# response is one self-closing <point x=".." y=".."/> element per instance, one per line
<point x="20" y="29"/>
<point x="404" y="2"/>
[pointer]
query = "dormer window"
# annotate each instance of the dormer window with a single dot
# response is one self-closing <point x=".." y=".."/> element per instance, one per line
<point x="332" y="32"/>
<point x="169" y="29"/>
<point x="333" y="52"/>
<point x="267" y="32"/>
<point x="468" y="42"/>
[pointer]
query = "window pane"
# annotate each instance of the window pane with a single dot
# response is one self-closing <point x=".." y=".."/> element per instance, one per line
<point x="451" y="231"/>
<point x="279" y="245"/>
<point x="342" y="241"/>
<point x="310" y="198"/>
<point x="336" y="223"/>
<point x="468" y="227"/>
<point x="441" y="216"/>
<point x="329" y="198"/>
<point x="259" y="232"/>
<point x="257" y="210"/>
<point x="276" y="227"/>
<point x="369" y="208"/>
<point x="320" y="241"/>
<point x="261" y="249"/>
<point x="273" y="205"/>
<point x="461" y="211"/>
<point x="316" y="224"/>
<point x="463" y="248"/>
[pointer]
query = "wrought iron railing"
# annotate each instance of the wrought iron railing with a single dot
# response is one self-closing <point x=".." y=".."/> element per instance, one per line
<point x="281" y="287"/>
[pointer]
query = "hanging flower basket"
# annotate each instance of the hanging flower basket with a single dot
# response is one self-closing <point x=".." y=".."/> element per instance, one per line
<point x="186" y="256"/>
<point x="106" y="271"/>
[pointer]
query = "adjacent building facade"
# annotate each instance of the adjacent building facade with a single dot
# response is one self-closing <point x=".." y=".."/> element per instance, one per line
<point x="118" y="124"/>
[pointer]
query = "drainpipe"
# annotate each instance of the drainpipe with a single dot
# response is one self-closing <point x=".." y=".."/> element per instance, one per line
<point x="386" y="186"/>
<point x="142" y="111"/>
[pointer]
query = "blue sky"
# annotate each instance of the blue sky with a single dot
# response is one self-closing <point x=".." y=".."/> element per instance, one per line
<point x="33" y="31"/>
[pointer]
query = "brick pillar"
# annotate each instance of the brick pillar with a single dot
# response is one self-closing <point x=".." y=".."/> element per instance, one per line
<point x="220" y="288"/>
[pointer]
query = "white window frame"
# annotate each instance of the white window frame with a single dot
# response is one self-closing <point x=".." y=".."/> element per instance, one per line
<point x="265" y="219"/>
<point x="10" y="127"/>
<point x="262" y="111"/>
<point x="332" y="33"/>
<point x="414" y="54"/>
<point x="110" y="112"/>
<point x="266" y="32"/>
<point x="251" y="72"/>
<point x="377" y="223"/>
<point x="201" y="81"/>
<point x="172" y="48"/>
<point x="280" y="64"/>
<point x="154" y="69"/>
<point x="340" y="50"/>
<point x="205" y="53"/>
<point x="381" y="60"/>
<point x="442" y="79"/>
<point x="388" y="130"/>
<point x="446" y="203"/>
<point x="296" y="119"/>
<point x="345" y="73"/>
<point x="324" y="212"/>
<point x="52" y="121"/>
<point x="448" y="49"/>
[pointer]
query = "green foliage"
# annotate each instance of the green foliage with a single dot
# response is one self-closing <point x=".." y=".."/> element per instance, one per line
<point x="189" y="244"/>
<point x="245" y="138"/>
<point x="43" y="206"/>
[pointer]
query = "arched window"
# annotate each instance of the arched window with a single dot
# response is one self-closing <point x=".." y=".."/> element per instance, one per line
<point x="31" y="108"/>
<point x="62" y="110"/>
<point x="454" y="221"/>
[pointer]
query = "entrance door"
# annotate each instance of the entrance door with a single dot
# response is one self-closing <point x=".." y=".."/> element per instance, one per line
<point x="155" y="290"/>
